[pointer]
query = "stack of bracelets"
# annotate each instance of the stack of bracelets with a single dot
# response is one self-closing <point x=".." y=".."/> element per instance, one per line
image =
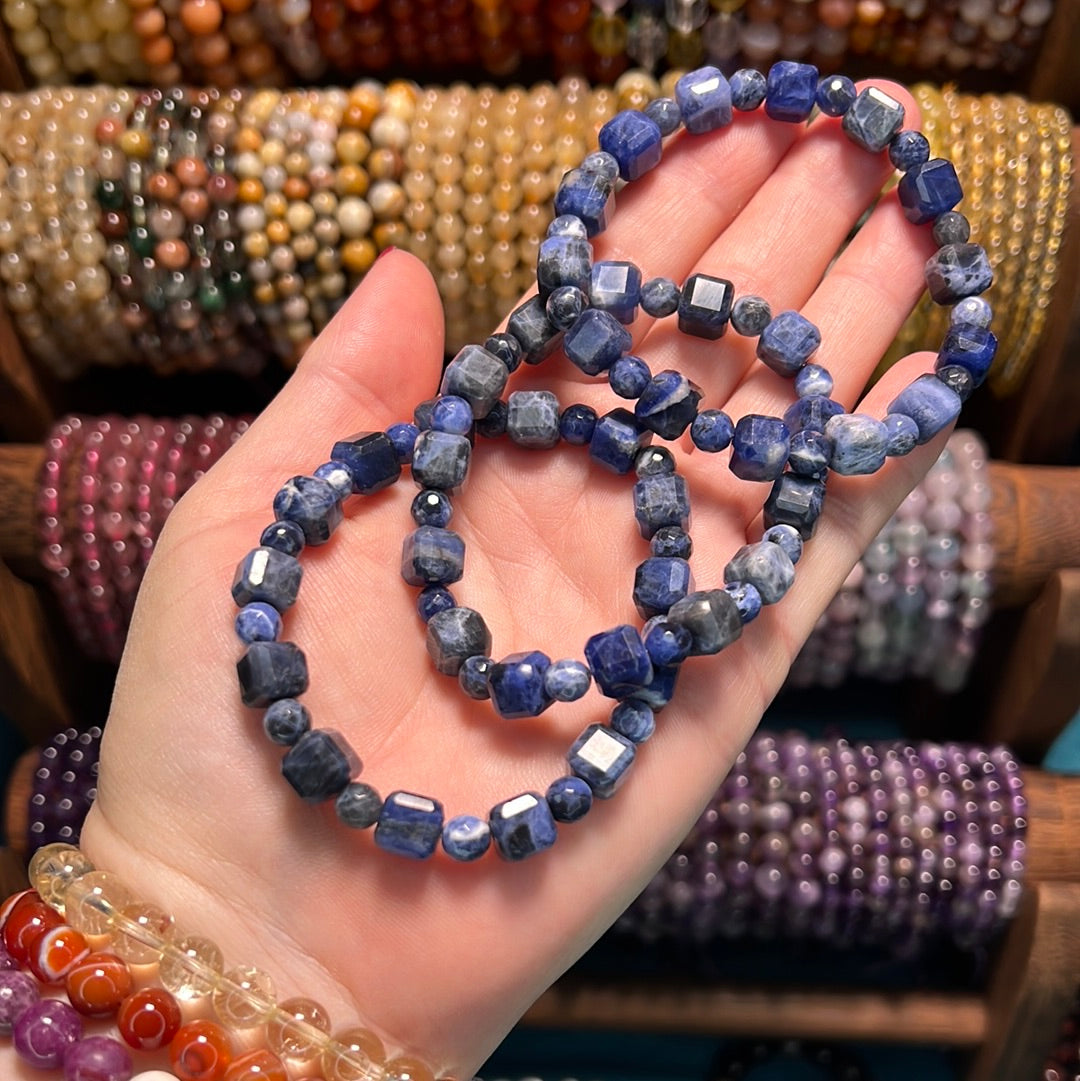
<point x="64" y="787"/>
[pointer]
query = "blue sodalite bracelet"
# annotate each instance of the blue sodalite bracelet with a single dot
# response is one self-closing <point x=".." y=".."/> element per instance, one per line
<point x="582" y="306"/>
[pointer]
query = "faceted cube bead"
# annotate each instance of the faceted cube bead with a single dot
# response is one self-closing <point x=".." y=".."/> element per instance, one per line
<point x="587" y="195"/>
<point x="319" y="765"/>
<point x="265" y="574"/>
<point x="477" y="376"/>
<point x="577" y="423"/>
<point x="432" y="556"/>
<point x="569" y="798"/>
<point x="711" y="618"/>
<point x="618" y="660"/>
<point x="633" y="719"/>
<point x="634" y="141"/>
<point x="312" y="504"/>
<point x="927" y="190"/>
<point x="563" y="260"/>
<point x="596" y="341"/>
<point x="929" y="403"/>
<point x="748" y="87"/>
<point x="873" y="119"/>
<point x="969" y="347"/>
<point x="271" y="670"/>
<point x="258" y="622"/>
<point x="835" y="94"/>
<point x="660" y="297"/>
<point x="811" y="413"/>
<point x="858" y="444"/>
<point x="957" y="271"/>
<point x="759" y="447"/>
<point x="705" y="306"/>
<point x="659" y="582"/>
<point x="358" y="806"/>
<point x="704" y="100"/>
<point x="534" y="332"/>
<point x="522" y="826"/>
<point x="795" y="501"/>
<point x="441" y="460"/>
<point x="765" y="566"/>
<point x="567" y="680"/>
<point x="409" y="825"/>
<point x="668" y="405"/>
<point x="372" y="458"/>
<point x="601" y="757"/>
<point x="454" y="635"/>
<point x="532" y="418"/>
<point x="615" y="287"/>
<point x="466" y="838"/>
<point x="902" y="433"/>
<point x="788" y="342"/>
<point x="809" y="454"/>
<point x="517" y="686"/>
<point x="616" y="440"/>
<point x="790" y="91"/>
<point x="661" y="500"/>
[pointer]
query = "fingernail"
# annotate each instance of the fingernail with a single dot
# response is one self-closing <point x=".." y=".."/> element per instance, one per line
<point x="385" y="251"/>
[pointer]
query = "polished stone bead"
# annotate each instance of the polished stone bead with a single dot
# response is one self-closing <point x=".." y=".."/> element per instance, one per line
<point x="506" y="347"/>
<point x="672" y="541"/>
<point x="711" y="618"/>
<point x="654" y="462"/>
<point x="787" y="536"/>
<point x="660" y="297"/>
<point x="563" y="260"/>
<point x="564" y="304"/>
<point x="596" y="341"/>
<point x="473" y="676"/>
<point x="569" y="798"/>
<point x="811" y="413"/>
<point x="969" y="347"/>
<point x="567" y="225"/>
<point x="271" y="670"/>
<point x="759" y="447"/>
<point x="403" y="437"/>
<point x="750" y="315"/>
<point x="422" y="413"/>
<point x="516" y="684"/>
<point x="45" y="1032"/>
<point x="522" y="826"/>
<point x="432" y="556"/>
<point x="927" y="190"/>
<point x="441" y="460"/>
<point x="902" y="435"/>
<point x="790" y="91"/>
<point x="873" y="119"/>
<point x="835" y="94"/>
<point x="659" y="582"/>
<point x="633" y="719"/>
<point x="409" y="825"/>
<point x="668" y="405"/>
<point x="616" y="440"/>
<point x="567" y="680"/>
<point x="434" y="599"/>
<point x="493" y="426"/>
<point x="809" y="453"/>
<point x="788" y="342"/>
<point x="286" y="537"/>
<point x="813" y="381"/>
<point x="258" y="622"/>
<point x="454" y="635"/>
<point x="858" y="444"/>
<point x="748" y="87"/>
<point x="372" y="459"/>
<point x="634" y="141"/>
<point x="747" y="600"/>
<point x="957" y="271"/>
<point x="705" y="306"/>
<point x="312" y="504"/>
<point x="908" y="149"/>
<point x="587" y="195"/>
<point x="629" y="376"/>
<point x="319" y="765"/>
<point x="337" y="476"/>
<point x="265" y="574"/>
<point x="765" y="566"/>
<point x="431" y="507"/>
<point x="532" y="418"/>
<point x="957" y="379"/>
<point x="664" y="113"/>
<point x="615" y="287"/>
<point x="477" y="376"/>
<point x="601" y="757"/>
<point x="667" y="643"/>
<point x="602" y="163"/>
<point x="466" y="838"/>
<point x="659" y="691"/>
<point x="712" y="431"/>
<point x="661" y="500"/>
<point x="972" y="311"/>
<point x="452" y="414"/>
<point x="358" y="806"/>
<point x="704" y="100"/>
<point x="796" y="501"/>
<point x="931" y="404"/>
<point x="285" y="721"/>
<point x="577" y="423"/>
<point x="534" y="332"/>
<point x="951" y="228"/>
<point x="618" y="661"/>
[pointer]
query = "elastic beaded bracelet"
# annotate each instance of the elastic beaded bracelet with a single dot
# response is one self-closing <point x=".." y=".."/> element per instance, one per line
<point x="319" y="764"/>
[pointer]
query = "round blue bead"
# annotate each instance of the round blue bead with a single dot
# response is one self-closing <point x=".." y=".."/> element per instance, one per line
<point x="747" y="599"/>
<point x="788" y="538"/>
<point x="908" y="149"/>
<point x="434" y="599"/>
<point x="473" y="676"/>
<point x="809" y="453"/>
<point x="951" y="228"/>
<point x="665" y="114"/>
<point x="564" y="305"/>
<point x="576" y="424"/>
<point x="670" y="540"/>
<point x="569" y="799"/>
<point x="958" y="378"/>
<point x="971" y="311"/>
<point x="902" y="434"/>
<point x="506" y="347"/>
<point x="747" y="89"/>
<point x="358" y="806"/>
<point x="568" y="225"/>
<point x="602" y="163"/>
<point x="466" y="838"/>
<point x="660" y="297"/>
<point x="403" y="436"/>
<point x="258" y="622"/>
<point x="285" y="721"/>
<point x="629" y="376"/>
<point x="432" y="507"/>
<point x="835" y="94"/>
<point x="422" y="414"/>
<point x="337" y="476"/>
<point x="566" y="680"/>
<point x="712" y="430"/>
<point x="634" y="720"/>
<point x="654" y="462"/>
<point x="666" y="643"/>
<point x="813" y="379"/>
<point x="283" y="536"/>
<point x="452" y="414"/>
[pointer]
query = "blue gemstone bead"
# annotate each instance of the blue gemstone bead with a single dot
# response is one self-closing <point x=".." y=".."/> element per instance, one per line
<point x="522" y="826"/>
<point x="629" y="376"/>
<point x="358" y="806"/>
<point x="748" y="87"/>
<point x="615" y="287"/>
<point x="659" y="691"/>
<point x="431" y="507"/>
<point x="473" y="676"/>
<point x="659" y="582"/>
<point x="750" y="315"/>
<point x="667" y="643"/>
<point x="705" y="306"/>
<point x="668" y="405"/>
<point x="533" y="331"/>
<point x="567" y="680"/>
<point x="452" y="414"/>
<point x="477" y="376"/>
<point x="765" y="566"/>
<point x="712" y="431"/>
<point x="927" y="190"/>
<point x="265" y="574"/>
<point x="618" y="661"/>
<point x="704" y="100"/>
<point x="796" y="501"/>
<point x="654" y="462"/>
<point x="661" y="499"/>
<point x="433" y="599"/>
<point x="507" y="348"/>
<point x="835" y="94"/>
<point x="286" y="537"/>
<point x="466" y="838"/>
<point x="672" y="541"/>
<point x="454" y="635"/>
<point x="312" y="504"/>
<point x="809" y="454"/>
<point x="422" y="413"/>
<point x="664" y="113"/>
<point x="337" y="475"/>
<point x="432" y="556"/>
<point x="712" y="619"/>
<point x="633" y="719"/>
<point x="903" y="435"/>
<point x="576" y="424"/>
<point x="811" y="413"/>
<point x="403" y="437"/>
<point x="532" y="418"/>
<point x="516" y="685"/>
<point x="873" y="119"/>
<point x="957" y="271"/>
<point x="813" y="381"/>
<point x="971" y="311"/>
<point x="951" y="228"/>
<point x="494" y="424"/>
<point x="616" y="440"/>
<point x="596" y="341"/>
<point x="569" y="798"/>
<point x="931" y="404"/>
<point x="957" y="379"/>
<point x="788" y="538"/>
<point x="258" y="622"/>
<point x="563" y="260"/>
<point x="441" y="460"/>
<point x="285" y="721"/>
<point x="372" y="458"/>
<point x="567" y="225"/>
<point x="319" y="765"/>
<point x="587" y="195"/>
<point x="858" y="444"/>
<point x="759" y="447"/>
<point x="969" y="347"/>
<point x="564" y="304"/>
<point x="908" y="149"/>
<point x="409" y="825"/>
<point x="601" y="757"/>
<point x="660" y="297"/>
<point x="790" y="91"/>
<point x="788" y="342"/>
<point x="602" y="163"/>
<point x="747" y="600"/>
<point x="634" y="141"/>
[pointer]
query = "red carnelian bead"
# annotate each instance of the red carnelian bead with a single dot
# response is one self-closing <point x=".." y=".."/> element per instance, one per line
<point x="149" y="1019"/>
<point x="98" y="984"/>
<point x="15" y="899"/>
<point x="56" y="952"/>
<point x="200" y="1051"/>
<point x="257" y="1066"/>
<point x="25" y="923"/>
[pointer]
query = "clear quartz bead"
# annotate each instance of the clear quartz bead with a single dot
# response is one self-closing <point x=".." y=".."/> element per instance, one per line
<point x="646" y="40"/>
<point x="141" y="932"/>
<point x="53" y="868"/>
<point x="244" y="998"/>
<point x="191" y="967"/>
<point x="354" y="1055"/>
<point x="92" y="900"/>
<point x="685" y="16"/>
<point x="298" y="1029"/>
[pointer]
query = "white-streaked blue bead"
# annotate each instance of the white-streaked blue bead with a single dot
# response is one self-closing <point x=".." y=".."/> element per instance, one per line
<point x="617" y="438"/>
<point x="615" y="286"/>
<point x="522" y="826"/>
<point x="704" y="100"/>
<point x="452" y="414"/>
<point x="567" y="680"/>
<point x="567" y="225"/>
<point x="473" y="676"/>
<point x="711" y="618"/>
<point x="532" y="418"/>
<point x="788" y="538"/>
<point x="788" y="342"/>
<point x="569" y="798"/>
<point x="634" y="141"/>
<point x="712" y="431"/>
<point x="759" y="447"/>
<point x="633" y="719"/>
<point x="454" y="635"/>
<point x="748" y="87"/>
<point x="618" y="660"/>
<point x="928" y="190"/>
<point x="930" y="404"/>
<point x="903" y="435"/>
<point x="629" y="376"/>
<point x="577" y="423"/>
<point x="403" y="436"/>
<point x="601" y="758"/>
<point x="873" y="119"/>
<point x="660" y="297"/>
<point x="668" y="405"/>
<point x="466" y="838"/>
<point x="813" y="380"/>
<point x="664" y="113"/>
<point x="858" y="444"/>
<point x="667" y="643"/>
<point x="972" y="311"/>
<point x="563" y="260"/>
<point x="312" y="504"/>
<point x="258" y="622"/>
<point x="796" y="501"/>
<point x="516" y="684"/>
<point x="441" y="460"/>
<point x="765" y="566"/>
<point x="790" y="91"/>
<point x="338" y="476"/>
<point x="747" y="600"/>
<point x="285" y="721"/>
<point x="477" y="376"/>
<point x="659" y="582"/>
<point x="596" y="341"/>
<point x="358" y="806"/>
<point x="432" y="556"/>
<point x="266" y="574"/>
<point x="809" y="453"/>
<point x="957" y="271"/>
<point x="661" y="499"/>
<point x="374" y="458"/>
<point x="409" y="825"/>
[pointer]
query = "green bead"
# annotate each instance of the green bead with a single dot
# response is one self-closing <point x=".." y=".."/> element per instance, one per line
<point x="142" y="243"/>
<point x="211" y="299"/>
<point x="110" y="194"/>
